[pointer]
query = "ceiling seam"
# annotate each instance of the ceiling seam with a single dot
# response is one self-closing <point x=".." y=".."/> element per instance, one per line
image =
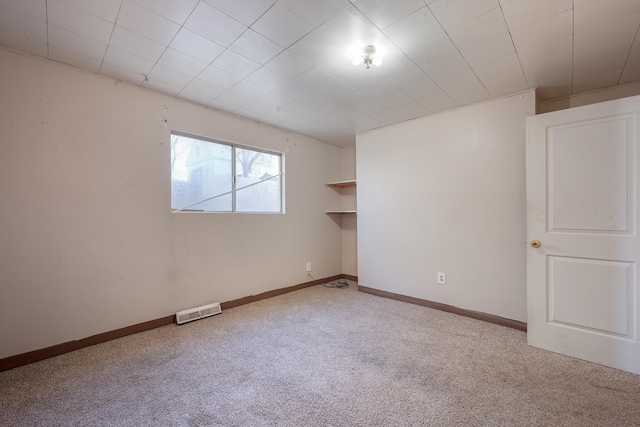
<point x="573" y="43"/>
<point x="110" y="37"/>
<point x="460" y="53"/>
<point x="636" y="39"/>
<point x="213" y="60"/>
<point x="405" y="54"/>
<point x="514" y="47"/>
<point x="46" y="17"/>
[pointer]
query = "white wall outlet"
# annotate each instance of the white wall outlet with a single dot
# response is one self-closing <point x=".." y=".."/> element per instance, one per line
<point x="308" y="267"/>
<point x="442" y="279"/>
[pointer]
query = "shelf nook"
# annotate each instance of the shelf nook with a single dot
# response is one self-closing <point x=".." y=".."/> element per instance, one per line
<point x="339" y="185"/>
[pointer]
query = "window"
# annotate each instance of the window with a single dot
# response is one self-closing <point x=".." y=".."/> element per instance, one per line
<point x="214" y="176"/>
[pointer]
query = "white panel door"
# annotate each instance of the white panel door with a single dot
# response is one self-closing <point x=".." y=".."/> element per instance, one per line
<point x="582" y="206"/>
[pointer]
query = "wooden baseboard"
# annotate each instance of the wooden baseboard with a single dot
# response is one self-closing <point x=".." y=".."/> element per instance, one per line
<point x="270" y="294"/>
<point x="56" y="350"/>
<point x="515" y="324"/>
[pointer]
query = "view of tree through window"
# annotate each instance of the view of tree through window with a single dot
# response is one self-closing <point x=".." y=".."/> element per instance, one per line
<point x="214" y="176"/>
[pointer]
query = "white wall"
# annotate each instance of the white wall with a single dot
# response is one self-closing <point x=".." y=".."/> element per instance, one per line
<point x="446" y="193"/>
<point x="88" y="240"/>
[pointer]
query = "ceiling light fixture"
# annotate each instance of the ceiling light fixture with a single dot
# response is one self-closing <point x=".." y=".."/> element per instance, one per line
<point x="367" y="57"/>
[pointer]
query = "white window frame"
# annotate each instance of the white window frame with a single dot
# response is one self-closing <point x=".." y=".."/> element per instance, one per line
<point x="234" y="188"/>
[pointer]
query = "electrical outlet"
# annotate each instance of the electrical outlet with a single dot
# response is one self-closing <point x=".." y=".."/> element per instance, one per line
<point x="309" y="267"/>
<point x="442" y="279"/>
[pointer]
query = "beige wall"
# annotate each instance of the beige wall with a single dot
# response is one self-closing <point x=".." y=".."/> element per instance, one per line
<point x="88" y="240"/>
<point x="446" y="193"/>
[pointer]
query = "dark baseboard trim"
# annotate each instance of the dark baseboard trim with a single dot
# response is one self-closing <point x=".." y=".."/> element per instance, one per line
<point x="349" y="277"/>
<point x="56" y="350"/>
<point x="515" y="324"/>
<point x="270" y="294"/>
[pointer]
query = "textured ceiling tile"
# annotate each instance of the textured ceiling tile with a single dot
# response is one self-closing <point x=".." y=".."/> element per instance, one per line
<point x="445" y="67"/>
<point x="433" y="50"/>
<point x="175" y="10"/>
<point x="479" y="30"/>
<point x="498" y="67"/>
<point x="388" y="117"/>
<point x="289" y="64"/>
<point x="281" y="26"/>
<point x="599" y="12"/>
<point x="81" y="46"/>
<point x="522" y="13"/>
<point x="256" y="47"/>
<point x="182" y="62"/>
<point x="139" y="20"/>
<point x="197" y="46"/>
<point x="268" y="78"/>
<point x="209" y="22"/>
<point x="74" y="58"/>
<point x="235" y="64"/>
<point x="235" y="98"/>
<point x="105" y="9"/>
<point x="169" y="75"/>
<point x="594" y="77"/>
<point x="77" y="21"/>
<point x="384" y="13"/>
<point x="451" y="13"/>
<point x="411" y="110"/>
<point x="606" y="41"/>
<point x="136" y="44"/>
<point x="23" y="32"/>
<point x="245" y="11"/>
<point x="631" y="70"/>
<point x="543" y="32"/>
<point x="276" y="99"/>
<point x="260" y="107"/>
<point x="411" y="32"/>
<point x="549" y="67"/>
<point x="348" y="28"/>
<point x="162" y="87"/>
<point x="248" y="88"/>
<point x="34" y="8"/>
<point x="489" y="51"/>
<point x="221" y="105"/>
<point x="432" y="97"/>
<point x="219" y="77"/>
<point x="127" y="61"/>
<point x="414" y="78"/>
<point x="209" y="90"/>
<point x="195" y="97"/>
<point x="469" y="94"/>
<point x="505" y="84"/>
<point x="463" y="79"/>
<point x="123" y="74"/>
<point x="315" y="12"/>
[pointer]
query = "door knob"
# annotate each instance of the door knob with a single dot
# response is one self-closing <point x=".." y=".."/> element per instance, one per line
<point x="535" y="243"/>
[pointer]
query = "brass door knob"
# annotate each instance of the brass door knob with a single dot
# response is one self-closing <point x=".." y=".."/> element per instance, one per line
<point x="535" y="243"/>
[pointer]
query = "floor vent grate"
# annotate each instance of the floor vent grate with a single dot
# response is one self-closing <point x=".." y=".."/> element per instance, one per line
<point x="196" y="313"/>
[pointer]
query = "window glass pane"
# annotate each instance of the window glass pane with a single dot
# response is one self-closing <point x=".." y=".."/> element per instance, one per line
<point x="257" y="181"/>
<point x="200" y="175"/>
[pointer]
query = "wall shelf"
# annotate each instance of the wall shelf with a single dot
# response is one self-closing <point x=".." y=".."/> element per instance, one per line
<point x="339" y="185"/>
<point x="342" y="184"/>
<point x="350" y="212"/>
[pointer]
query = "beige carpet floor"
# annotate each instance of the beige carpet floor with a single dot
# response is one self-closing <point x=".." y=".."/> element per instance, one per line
<point x="320" y="357"/>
